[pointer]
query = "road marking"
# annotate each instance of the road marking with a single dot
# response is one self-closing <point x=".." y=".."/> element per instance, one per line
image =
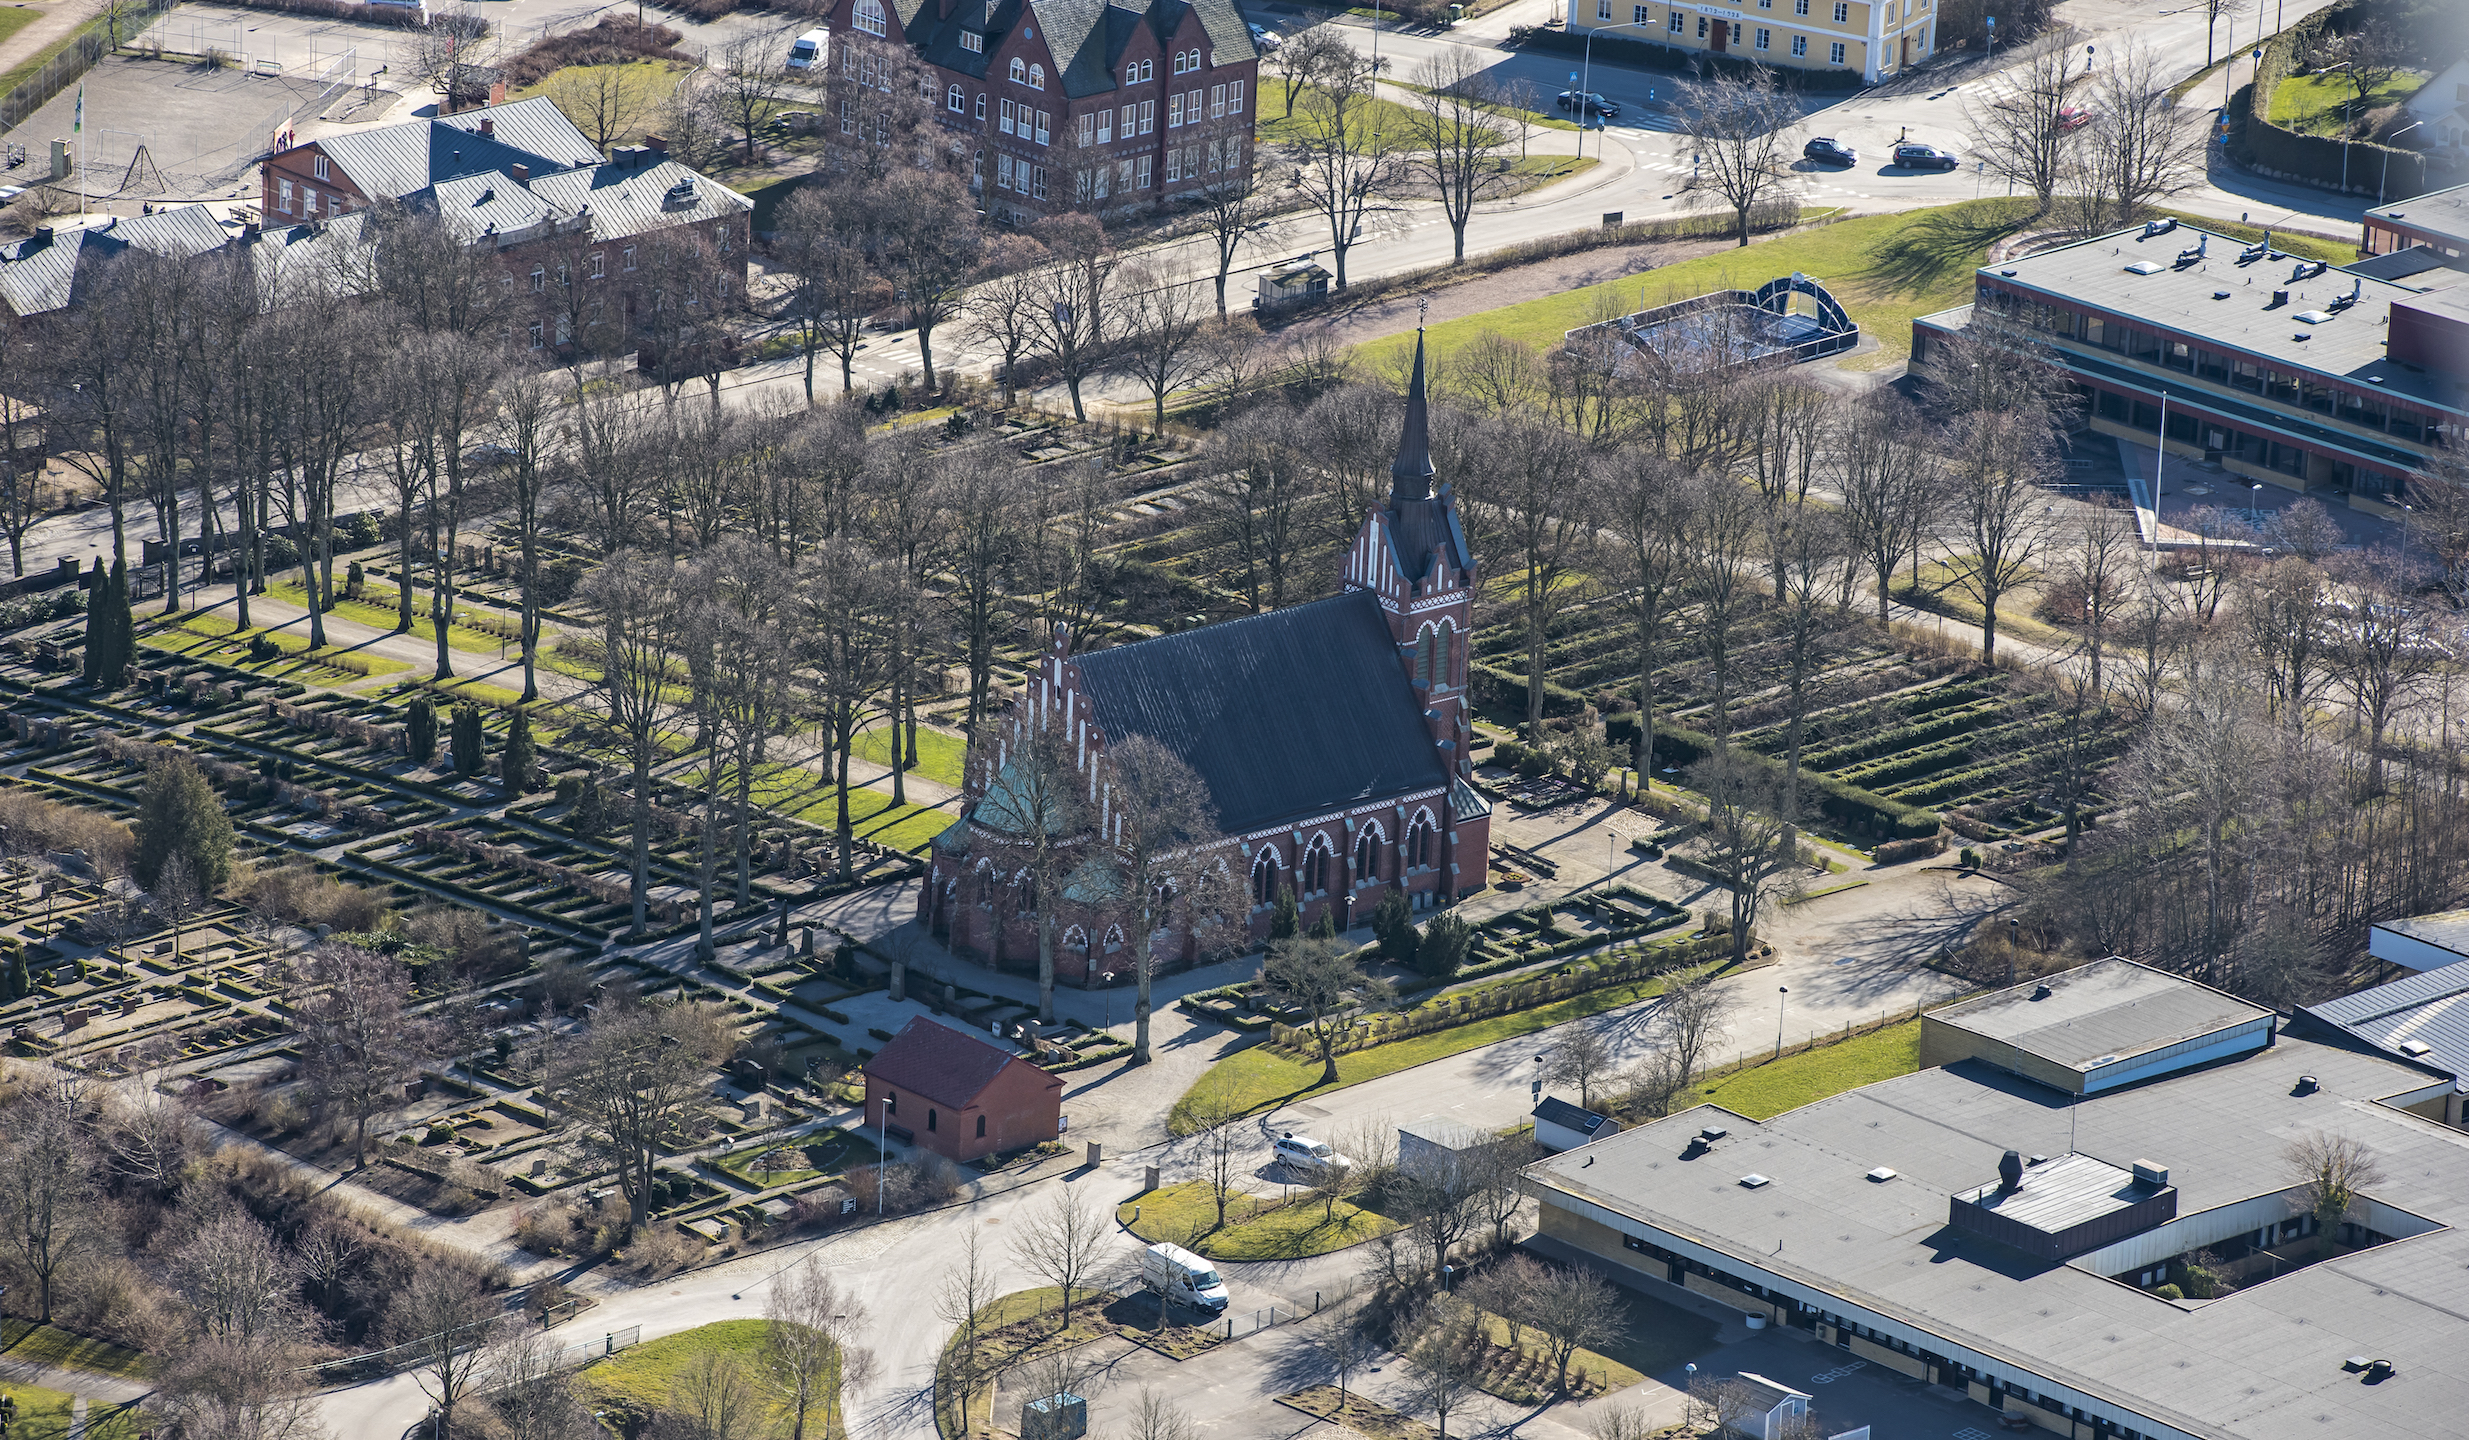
<point x="1968" y="1433"/>
<point x="1829" y="1377"/>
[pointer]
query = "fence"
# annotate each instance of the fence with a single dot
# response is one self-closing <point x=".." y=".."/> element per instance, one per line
<point x="1454" y="1010"/>
<point x="1236" y="1327"/>
<point x="91" y="44"/>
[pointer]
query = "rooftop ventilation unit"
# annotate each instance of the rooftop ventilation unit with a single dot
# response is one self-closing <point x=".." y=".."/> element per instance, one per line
<point x="2159" y="227"/>
<point x="1754" y="1182"/>
<point x="1713" y="1133"/>
<point x="2149" y="1172"/>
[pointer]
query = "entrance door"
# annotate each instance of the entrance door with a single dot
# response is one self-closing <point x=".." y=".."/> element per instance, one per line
<point x="1723" y="35"/>
<point x="1907" y="52"/>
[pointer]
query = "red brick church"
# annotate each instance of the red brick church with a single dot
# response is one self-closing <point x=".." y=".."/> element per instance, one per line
<point x="1332" y="737"/>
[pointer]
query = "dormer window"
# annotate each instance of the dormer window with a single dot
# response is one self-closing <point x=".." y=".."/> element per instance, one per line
<point x="868" y="16"/>
<point x="972" y="42"/>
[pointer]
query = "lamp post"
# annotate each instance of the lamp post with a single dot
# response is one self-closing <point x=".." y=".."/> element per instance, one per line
<point x="2387" y="157"/>
<point x="1585" y="74"/>
<point x="2254" y="505"/>
<point x="1781" y="991"/>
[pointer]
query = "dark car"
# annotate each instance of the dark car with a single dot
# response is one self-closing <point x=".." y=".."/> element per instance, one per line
<point x="1595" y="104"/>
<point x="1833" y="152"/>
<point x="1925" y="157"/>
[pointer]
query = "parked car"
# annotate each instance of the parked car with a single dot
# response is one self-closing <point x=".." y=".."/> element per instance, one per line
<point x="1265" y="39"/>
<point x="810" y="50"/>
<point x="1831" y="151"/>
<point x="1176" y="1274"/>
<point x="1595" y="104"/>
<point x="2074" y="117"/>
<point x="1925" y="157"/>
<point x="1308" y="1155"/>
<point x="490" y="455"/>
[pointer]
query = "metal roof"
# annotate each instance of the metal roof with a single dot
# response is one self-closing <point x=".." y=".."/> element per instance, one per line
<point x="1287" y="716"/>
<point x="2445" y="929"/>
<point x="2398" y="265"/>
<point x="400" y="161"/>
<point x="1556" y="1111"/>
<point x="2229" y="304"/>
<point x="2062" y="1193"/>
<point x="47" y="272"/>
<point x="2263" y="1363"/>
<point x="629" y="201"/>
<point x="2099" y="1013"/>
<point x="2429" y="1008"/>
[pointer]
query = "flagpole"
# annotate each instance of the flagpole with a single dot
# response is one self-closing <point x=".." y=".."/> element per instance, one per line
<point x="77" y="127"/>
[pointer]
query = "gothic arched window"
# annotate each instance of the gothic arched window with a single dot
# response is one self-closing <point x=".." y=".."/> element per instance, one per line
<point x="1316" y="865"/>
<point x="1264" y="877"/>
<point x="1367" y="855"/>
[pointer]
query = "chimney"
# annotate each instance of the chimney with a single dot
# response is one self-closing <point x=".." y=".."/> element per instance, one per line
<point x="522" y="174"/>
<point x="487" y="126"/>
<point x="2009" y="1173"/>
<point x="657" y="144"/>
<point x="249" y="231"/>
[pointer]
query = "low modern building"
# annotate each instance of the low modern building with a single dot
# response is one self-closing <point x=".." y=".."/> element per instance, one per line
<point x="1432" y="1147"/>
<point x="2096" y="1027"/>
<point x="2438" y="220"/>
<point x="2135" y="1260"/>
<point x="2242" y="357"/>
<point x="958" y="1095"/>
<point x="1771" y="1407"/>
<point x="1876" y="39"/>
<point x="2422" y="942"/>
<point x="1560" y="1125"/>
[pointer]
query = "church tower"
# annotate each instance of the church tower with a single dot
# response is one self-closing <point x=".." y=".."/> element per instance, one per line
<point x="1411" y="554"/>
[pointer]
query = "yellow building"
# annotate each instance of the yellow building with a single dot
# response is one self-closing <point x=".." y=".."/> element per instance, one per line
<point x="1875" y="40"/>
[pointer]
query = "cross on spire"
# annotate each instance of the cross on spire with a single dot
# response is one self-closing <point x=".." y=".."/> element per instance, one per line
<point x="1411" y="473"/>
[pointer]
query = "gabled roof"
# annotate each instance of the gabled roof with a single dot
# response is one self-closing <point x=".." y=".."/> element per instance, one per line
<point x="1286" y="716"/>
<point x="628" y="201"/>
<point x="330" y="257"/>
<point x="2422" y="1017"/>
<point x="948" y="1066"/>
<point x="1556" y="1111"/>
<point x="42" y="273"/>
<point x="398" y="161"/>
<point x="1087" y="38"/>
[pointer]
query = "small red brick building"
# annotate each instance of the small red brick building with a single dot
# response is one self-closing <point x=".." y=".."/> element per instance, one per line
<point x="951" y="1092"/>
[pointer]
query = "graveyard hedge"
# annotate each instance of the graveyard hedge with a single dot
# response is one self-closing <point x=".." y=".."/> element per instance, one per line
<point x="1681" y="746"/>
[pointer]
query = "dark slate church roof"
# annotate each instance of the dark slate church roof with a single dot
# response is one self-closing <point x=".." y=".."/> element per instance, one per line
<point x="1286" y="716"/>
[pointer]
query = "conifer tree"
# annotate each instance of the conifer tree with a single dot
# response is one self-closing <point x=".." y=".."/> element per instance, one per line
<point x="467" y="740"/>
<point x="1284" y="921"/>
<point x="420" y="730"/>
<point x="178" y="813"/>
<point x="120" y="628"/>
<point x="520" y="757"/>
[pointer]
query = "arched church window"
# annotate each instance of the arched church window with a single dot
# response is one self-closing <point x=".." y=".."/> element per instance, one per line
<point x="1264" y="877"/>
<point x="1316" y="865"/>
<point x="1367" y="855"/>
<point x="1423" y="656"/>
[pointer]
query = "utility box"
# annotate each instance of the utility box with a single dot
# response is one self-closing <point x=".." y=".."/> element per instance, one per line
<point x="60" y="160"/>
<point x="1057" y="1417"/>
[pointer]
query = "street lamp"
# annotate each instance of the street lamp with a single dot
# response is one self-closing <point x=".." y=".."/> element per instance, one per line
<point x="1780" y="992"/>
<point x="2254" y="505"/>
<point x="1585" y="75"/>
<point x="2387" y="157"/>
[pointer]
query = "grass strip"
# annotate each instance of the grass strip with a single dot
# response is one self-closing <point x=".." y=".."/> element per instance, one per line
<point x="1795" y="1080"/>
<point x="51" y="1345"/>
<point x="1259" y="1078"/>
<point x="1256" y="1228"/>
<point x="939" y="755"/>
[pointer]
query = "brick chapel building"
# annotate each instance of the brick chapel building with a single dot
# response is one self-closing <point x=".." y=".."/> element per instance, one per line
<point x="959" y="1095"/>
<point x="1332" y="737"/>
<point x="1103" y="105"/>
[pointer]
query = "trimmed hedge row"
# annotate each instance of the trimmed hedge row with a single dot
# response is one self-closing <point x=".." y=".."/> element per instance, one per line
<point x="1863" y="809"/>
<point x="2318" y="159"/>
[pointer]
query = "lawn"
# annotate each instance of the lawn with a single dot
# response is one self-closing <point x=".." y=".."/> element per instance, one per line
<point x="51" y="1345"/>
<point x="939" y="755"/>
<point x="826" y="1154"/>
<point x="1391" y="122"/>
<point x="50" y="1415"/>
<point x="1795" y="1080"/>
<point x="807" y="795"/>
<point x="1256" y="1229"/>
<point x="1944" y="591"/>
<point x="645" y="1376"/>
<point x="2316" y="104"/>
<point x="1259" y="1078"/>
<point x="378" y="610"/>
<point x="1524" y="1374"/>
<point x="1887" y="270"/>
<point x="220" y="638"/>
<point x="15" y="19"/>
<point x="644" y="85"/>
<point x="1012" y="1330"/>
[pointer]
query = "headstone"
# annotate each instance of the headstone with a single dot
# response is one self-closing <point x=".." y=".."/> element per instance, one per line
<point x="1097" y="1154"/>
<point x="1151" y="1178"/>
<point x="540" y="1166"/>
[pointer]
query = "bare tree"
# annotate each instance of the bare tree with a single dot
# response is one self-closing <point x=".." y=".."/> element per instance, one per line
<point x="1581" y="1057"/>
<point x="1340" y="1343"/>
<point x="606" y="102"/>
<point x="636" y="1079"/>
<point x="2383" y="645"/>
<point x="1750" y="845"/>
<point x="1690" y="1021"/>
<point x="1539" y="487"/>
<point x="922" y="236"/>
<point x="1441" y="1361"/>
<point x="744" y="81"/>
<point x="642" y="635"/>
<point x="1002" y="306"/>
<point x="848" y="603"/>
<point x="175" y="896"/>
<point x="1034" y="801"/>
<point x="1261" y="499"/>
<point x="714" y="1398"/>
<point x="1157" y="1418"/>
<point x="443" y="1319"/>
<point x="1716" y="1404"/>
<point x="1576" y="1310"/>
<point x="1073" y="296"/>
<point x="236" y="1278"/>
<point x="2026" y="130"/>
<point x="1162" y="320"/>
<point x="1738" y="128"/>
<point x="1496" y="1195"/>
<point x="360" y="1039"/>
<point x="820" y="248"/>
<point x="1311" y="46"/>
<point x="2139" y="147"/>
<point x="47" y="1190"/>
<point x="2095" y="572"/>
<point x="1997" y="512"/>
<point x="1164" y="864"/>
<point x="2330" y="1173"/>
<point x="530" y="1388"/>
<point x="1232" y="206"/>
<point x="810" y="1346"/>
<point x="1322" y="979"/>
<point x="967" y="1288"/>
<point x="1213" y="1116"/>
<point x="1457" y="136"/>
<point x="1059" y="1243"/>
<point x="1345" y="166"/>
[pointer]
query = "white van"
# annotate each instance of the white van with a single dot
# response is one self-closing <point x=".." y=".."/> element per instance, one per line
<point x="1186" y="1279"/>
<point x="811" y="51"/>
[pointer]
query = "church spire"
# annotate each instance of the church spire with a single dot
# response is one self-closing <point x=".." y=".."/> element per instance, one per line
<point x="1411" y="473"/>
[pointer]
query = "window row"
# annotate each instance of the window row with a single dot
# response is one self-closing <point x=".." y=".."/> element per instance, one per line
<point x="1676" y="19"/>
<point x="1098" y="127"/>
<point x="1100" y="182"/>
<point x="1186" y="61"/>
<point x="1187" y="107"/>
<point x="1185" y="162"/>
<point x="1420" y="851"/>
<point x="1020" y="177"/>
<point x="1024" y="73"/>
<point x="1018" y="119"/>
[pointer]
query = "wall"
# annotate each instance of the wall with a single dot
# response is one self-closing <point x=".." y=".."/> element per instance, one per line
<point x="2401" y="949"/>
<point x="1943" y="1043"/>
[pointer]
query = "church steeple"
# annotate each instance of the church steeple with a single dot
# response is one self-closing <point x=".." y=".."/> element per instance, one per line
<point x="1411" y="472"/>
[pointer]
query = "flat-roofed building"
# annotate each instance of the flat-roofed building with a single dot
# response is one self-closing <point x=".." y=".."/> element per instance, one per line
<point x="1872" y="1219"/>
<point x="2272" y="367"/>
<point x="2096" y="1027"/>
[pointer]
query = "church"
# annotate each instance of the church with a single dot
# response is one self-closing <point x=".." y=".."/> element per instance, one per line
<point x="1332" y="737"/>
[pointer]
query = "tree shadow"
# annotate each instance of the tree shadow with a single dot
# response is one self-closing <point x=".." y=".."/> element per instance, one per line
<point x="1939" y="244"/>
